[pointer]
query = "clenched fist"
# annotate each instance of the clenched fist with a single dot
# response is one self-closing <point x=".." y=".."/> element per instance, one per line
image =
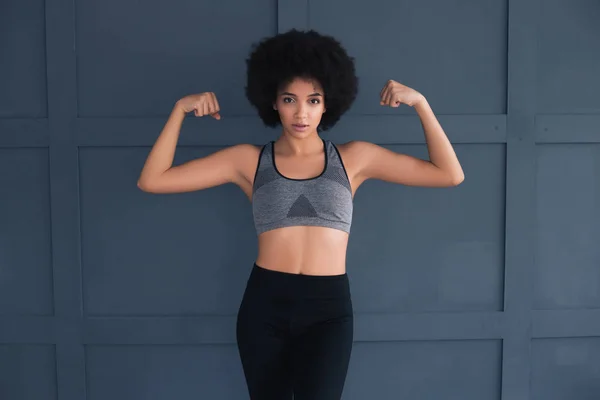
<point x="394" y="93"/>
<point x="201" y="104"/>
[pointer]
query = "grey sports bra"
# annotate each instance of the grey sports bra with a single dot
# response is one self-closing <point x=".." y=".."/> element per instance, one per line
<point x="324" y="200"/>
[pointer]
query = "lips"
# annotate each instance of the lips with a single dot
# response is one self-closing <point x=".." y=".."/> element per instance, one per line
<point x="300" y="127"/>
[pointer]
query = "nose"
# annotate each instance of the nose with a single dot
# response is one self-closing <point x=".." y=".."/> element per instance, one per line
<point x="301" y="111"/>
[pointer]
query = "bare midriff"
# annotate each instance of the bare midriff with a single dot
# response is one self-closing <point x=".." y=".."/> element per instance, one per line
<point x="307" y="250"/>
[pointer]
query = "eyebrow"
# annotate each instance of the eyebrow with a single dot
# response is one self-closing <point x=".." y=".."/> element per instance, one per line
<point x="292" y="94"/>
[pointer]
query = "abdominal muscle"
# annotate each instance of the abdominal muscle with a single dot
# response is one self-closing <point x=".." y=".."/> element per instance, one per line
<point x="306" y="250"/>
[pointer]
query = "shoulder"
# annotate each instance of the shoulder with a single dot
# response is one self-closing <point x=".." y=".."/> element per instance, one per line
<point x="357" y="151"/>
<point x="244" y="154"/>
<point x="354" y="146"/>
<point x="245" y="157"/>
<point x="245" y="149"/>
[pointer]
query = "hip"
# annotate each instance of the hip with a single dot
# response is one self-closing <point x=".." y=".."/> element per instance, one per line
<point x="290" y="295"/>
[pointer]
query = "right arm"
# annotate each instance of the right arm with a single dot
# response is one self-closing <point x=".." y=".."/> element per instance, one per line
<point x="224" y="166"/>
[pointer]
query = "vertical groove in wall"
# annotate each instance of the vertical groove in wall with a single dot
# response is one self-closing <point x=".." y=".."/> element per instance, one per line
<point x="520" y="198"/>
<point x="64" y="199"/>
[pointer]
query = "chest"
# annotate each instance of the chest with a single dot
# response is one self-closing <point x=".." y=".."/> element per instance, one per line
<point x="300" y="168"/>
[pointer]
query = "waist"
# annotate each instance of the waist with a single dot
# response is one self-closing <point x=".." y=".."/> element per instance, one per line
<point x="277" y="284"/>
<point x="303" y="250"/>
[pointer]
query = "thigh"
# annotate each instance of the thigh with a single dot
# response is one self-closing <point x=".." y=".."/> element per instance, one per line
<point x="265" y="356"/>
<point x="320" y="359"/>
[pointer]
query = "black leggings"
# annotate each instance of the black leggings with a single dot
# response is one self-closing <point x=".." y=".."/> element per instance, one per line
<point x="294" y="335"/>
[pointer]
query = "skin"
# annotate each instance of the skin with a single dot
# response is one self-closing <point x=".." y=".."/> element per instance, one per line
<point x="299" y="154"/>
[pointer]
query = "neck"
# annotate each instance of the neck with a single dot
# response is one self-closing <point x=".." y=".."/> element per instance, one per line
<point x="300" y="146"/>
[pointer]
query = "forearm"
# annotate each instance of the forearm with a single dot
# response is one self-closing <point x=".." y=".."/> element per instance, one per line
<point x="162" y="154"/>
<point x="441" y="152"/>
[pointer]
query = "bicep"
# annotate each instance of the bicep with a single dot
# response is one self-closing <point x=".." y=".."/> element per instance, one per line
<point x="218" y="168"/>
<point x="380" y="163"/>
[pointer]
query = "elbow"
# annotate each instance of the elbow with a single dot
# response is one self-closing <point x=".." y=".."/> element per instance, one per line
<point x="142" y="186"/>
<point x="145" y="186"/>
<point x="457" y="180"/>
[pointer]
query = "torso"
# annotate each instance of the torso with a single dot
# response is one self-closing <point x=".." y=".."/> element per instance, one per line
<point x="308" y="250"/>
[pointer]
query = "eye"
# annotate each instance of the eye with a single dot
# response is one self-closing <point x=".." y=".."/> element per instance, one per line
<point x="315" y="101"/>
<point x="285" y="99"/>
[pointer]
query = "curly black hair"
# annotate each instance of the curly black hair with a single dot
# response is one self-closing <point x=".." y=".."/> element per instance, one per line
<point x="276" y="61"/>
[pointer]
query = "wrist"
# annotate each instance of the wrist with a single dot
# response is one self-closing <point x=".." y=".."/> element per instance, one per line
<point x="421" y="103"/>
<point x="178" y="108"/>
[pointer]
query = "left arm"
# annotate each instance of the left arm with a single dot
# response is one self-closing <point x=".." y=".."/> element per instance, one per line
<point x="376" y="162"/>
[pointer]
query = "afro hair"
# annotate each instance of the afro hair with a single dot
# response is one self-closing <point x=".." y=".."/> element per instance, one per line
<point x="276" y="61"/>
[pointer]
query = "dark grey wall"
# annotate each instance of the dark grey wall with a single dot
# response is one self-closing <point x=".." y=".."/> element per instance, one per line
<point x="485" y="291"/>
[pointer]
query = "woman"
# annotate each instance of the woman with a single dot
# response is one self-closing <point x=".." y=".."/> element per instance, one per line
<point x="295" y="322"/>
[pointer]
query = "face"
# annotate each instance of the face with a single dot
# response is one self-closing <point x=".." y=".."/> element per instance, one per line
<point x="301" y="106"/>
